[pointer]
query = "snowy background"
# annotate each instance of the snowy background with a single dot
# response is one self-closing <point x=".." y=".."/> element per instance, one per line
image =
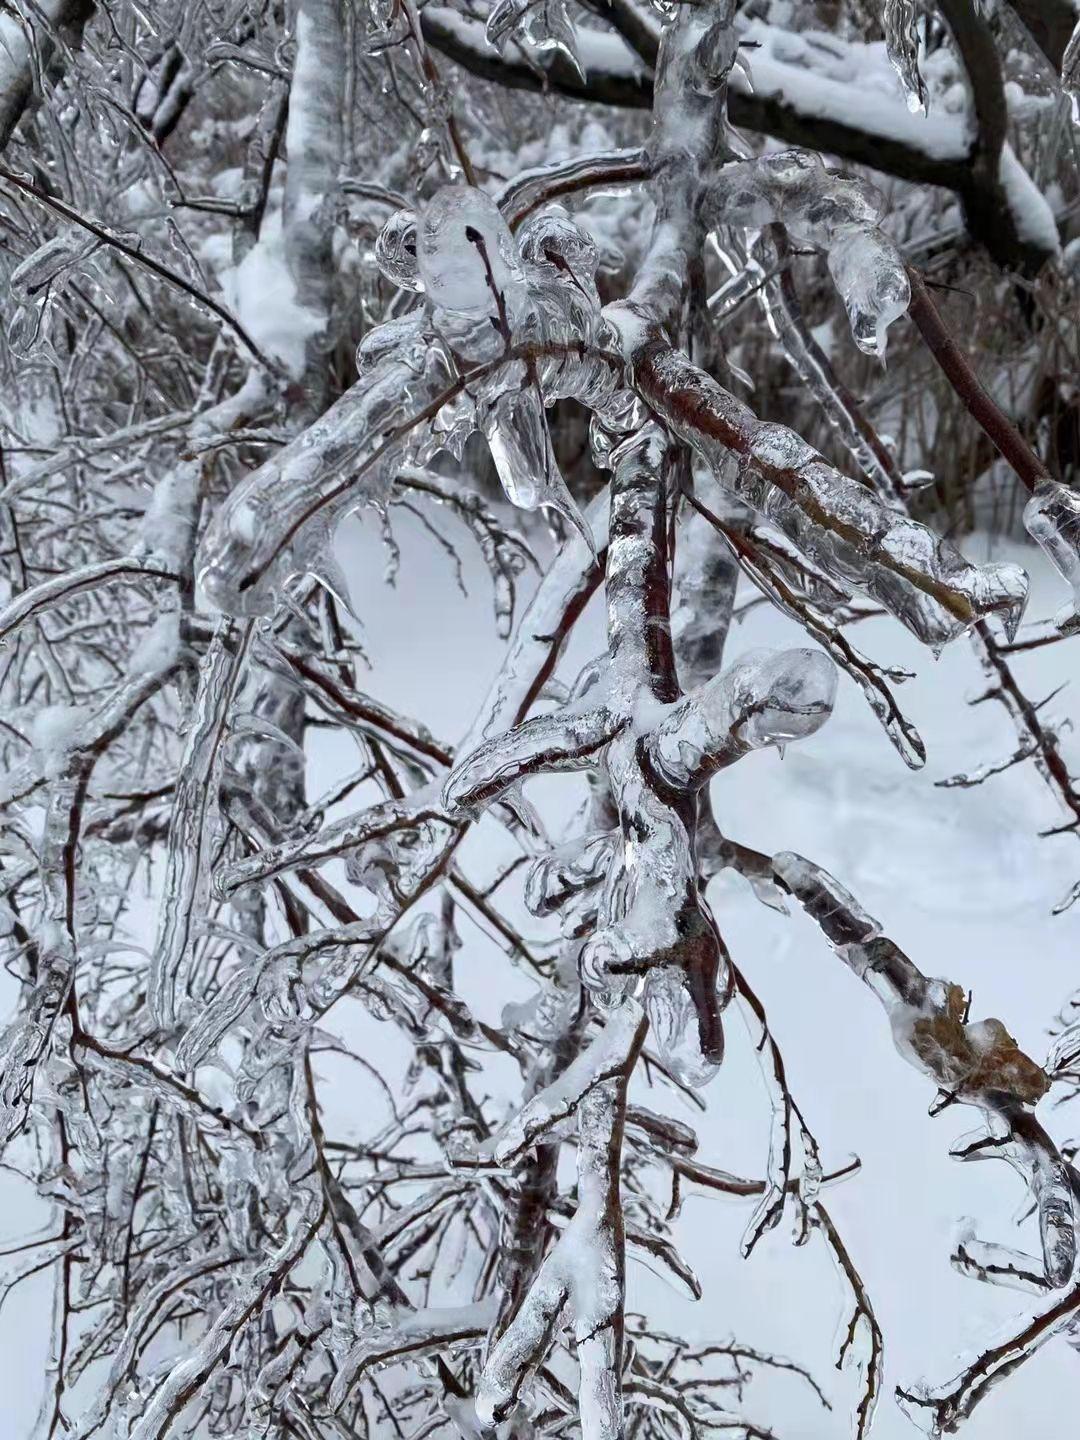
<point x="958" y="879"/>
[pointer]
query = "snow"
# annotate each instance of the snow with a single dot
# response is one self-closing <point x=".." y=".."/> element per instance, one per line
<point x="857" y="90"/>
<point x="1033" y="213"/>
<point x="261" y="293"/>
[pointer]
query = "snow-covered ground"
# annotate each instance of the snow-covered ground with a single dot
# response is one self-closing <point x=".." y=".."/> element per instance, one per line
<point x="958" y="878"/>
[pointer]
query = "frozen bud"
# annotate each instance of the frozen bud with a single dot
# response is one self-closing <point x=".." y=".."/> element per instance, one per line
<point x="395" y="250"/>
<point x="553" y="239"/>
<point x="606" y="966"/>
<point x="468" y="261"/>
<point x="765" y="698"/>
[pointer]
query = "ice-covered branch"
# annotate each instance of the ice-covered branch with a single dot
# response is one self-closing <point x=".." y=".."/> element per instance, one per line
<point x="42" y="597"/>
<point x="861" y="542"/>
<point x="29" y="49"/>
<point x="976" y="1062"/>
<point x="190" y="1372"/>
<point x="195" y="815"/>
<point x="586" y="1268"/>
<point x="807" y="90"/>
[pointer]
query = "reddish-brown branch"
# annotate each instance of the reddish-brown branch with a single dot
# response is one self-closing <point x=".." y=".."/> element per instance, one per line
<point x="991" y="419"/>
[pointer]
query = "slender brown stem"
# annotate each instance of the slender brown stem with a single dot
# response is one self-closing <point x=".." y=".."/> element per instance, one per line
<point x="991" y="419"/>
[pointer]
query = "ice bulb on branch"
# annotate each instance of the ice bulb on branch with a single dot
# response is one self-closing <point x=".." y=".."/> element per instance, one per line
<point x="765" y="698"/>
<point x="872" y="284"/>
<point x="395" y="251"/>
<point x="467" y="258"/>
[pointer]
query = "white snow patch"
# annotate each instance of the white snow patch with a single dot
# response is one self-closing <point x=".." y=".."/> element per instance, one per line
<point x="261" y="293"/>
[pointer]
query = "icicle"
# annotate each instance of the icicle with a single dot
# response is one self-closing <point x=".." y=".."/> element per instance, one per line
<point x="900" y="20"/>
<point x="474" y="278"/>
<point x="540" y="24"/>
<point x="518" y="437"/>
<point x="835" y="213"/>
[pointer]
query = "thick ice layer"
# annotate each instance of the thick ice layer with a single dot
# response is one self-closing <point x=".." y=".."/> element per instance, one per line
<point x="1052" y="517"/>
<point x="835" y="213"/>
<point x="900" y="21"/>
<point x="765" y="698"/>
<point x="467" y="258"/>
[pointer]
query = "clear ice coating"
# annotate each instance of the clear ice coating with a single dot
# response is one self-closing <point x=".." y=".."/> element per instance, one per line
<point x="1070" y="73"/>
<point x="395" y="251"/>
<point x="541" y="24"/>
<point x="498" y="338"/>
<point x="467" y="258"/>
<point x="1052" y="518"/>
<point x="38" y="280"/>
<point x="837" y="214"/>
<point x="921" y="579"/>
<point x="765" y="698"/>
<point x="277" y="523"/>
<point x="193" y="828"/>
<point x="900" y="21"/>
